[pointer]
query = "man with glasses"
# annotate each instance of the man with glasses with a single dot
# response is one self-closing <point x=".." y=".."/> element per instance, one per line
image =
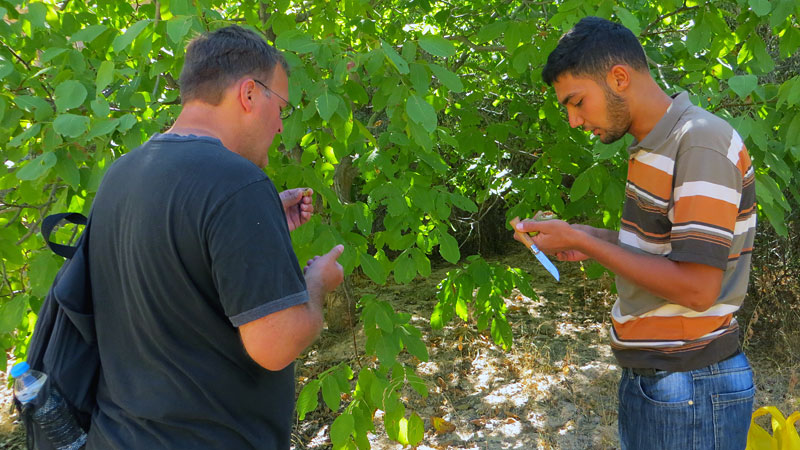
<point x="200" y="304"/>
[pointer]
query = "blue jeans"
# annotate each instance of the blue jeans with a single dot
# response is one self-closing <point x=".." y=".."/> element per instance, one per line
<point x="707" y="408"/>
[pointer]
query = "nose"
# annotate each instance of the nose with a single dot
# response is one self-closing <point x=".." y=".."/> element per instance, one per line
<point x="575" y="120"/>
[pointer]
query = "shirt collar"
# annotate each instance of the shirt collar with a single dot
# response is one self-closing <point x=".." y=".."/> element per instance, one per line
<point x="661" y="132"/>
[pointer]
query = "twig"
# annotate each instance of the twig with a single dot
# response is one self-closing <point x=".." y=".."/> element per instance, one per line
<point x="6" y="280"/>
<point x="24" y="63"/>
<point x="352" y="325"/>
<point x="42" y="212"/>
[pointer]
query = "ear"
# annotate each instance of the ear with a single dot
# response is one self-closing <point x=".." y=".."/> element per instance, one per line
<point x="246" y="93"/>
<point x="619" y="77"/>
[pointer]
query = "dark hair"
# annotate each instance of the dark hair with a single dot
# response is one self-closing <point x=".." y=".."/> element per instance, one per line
<point x="215" y="60"/>
<point x="592" y="48"/>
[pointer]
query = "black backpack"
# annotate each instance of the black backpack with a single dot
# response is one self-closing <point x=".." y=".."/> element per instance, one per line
<point x="64" y="341"/>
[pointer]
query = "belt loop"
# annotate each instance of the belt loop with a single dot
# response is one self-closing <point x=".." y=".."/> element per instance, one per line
<point x="714" y="368"/>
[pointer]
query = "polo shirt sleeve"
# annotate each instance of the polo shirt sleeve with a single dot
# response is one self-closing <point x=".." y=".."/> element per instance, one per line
<point x="707" y="193"/>
<point x="253" y="264"/>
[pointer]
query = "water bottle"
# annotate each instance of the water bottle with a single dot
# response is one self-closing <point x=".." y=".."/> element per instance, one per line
<point x="51" y="411"/>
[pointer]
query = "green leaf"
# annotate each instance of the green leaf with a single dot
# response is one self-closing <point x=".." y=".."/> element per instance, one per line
<point x="38" y="167"/>
<point x="51" y="53"/>
<point x="296" y="41"/>
<point x="67" y="170"/>
<point x="699" y="36"/>
<point x="414" y="344"/>
<point x="743" y="85"/>
<point x="105" y="74"/>
<point x="399" y="63"/>
<point x="180" y="7"/>
<point x="124" y="40"/>
<point x="491" y="31"/>
<point x="501" y="332"/>
<point x="760" y="7"/>
<point x="768" y="191"/>
<point x="448" y="247"/>
<point x="421" y="112"/>
<point x="327" y="104"/>
<point x="69" y="94"/>
<point x="437" y="46"/>
<point x="126" y="122"/>
<point x="88" y="34"/>
<point x="629" y="20"/>
<point x="416" y="430"/>
<point x="37" y="13"/>
<point x="39" y="106"/>
<point x="404" y="268"/>
<point x="341" y="429"/>
<point x="43" y="268"/>
<point x="103" y="127"/>
<point x="71" y="125"/>
<point x="25" y="136"/>
<point x="386" y="349"/>
<point x="383" y="321"/>
<point x="100" y="107"/>
<point x="12" y="312"/>
<point x="448" y="78"/>
<point x="372" y="268"/>
<point x="308" y="400"/>
<point x="331" y="393"/>
<point x="177" y="27"/>
<point x="581" y="186"/>
<point x="422" y="262"/>
<point x="463" y="202"/>
<point x="6" y="68"/>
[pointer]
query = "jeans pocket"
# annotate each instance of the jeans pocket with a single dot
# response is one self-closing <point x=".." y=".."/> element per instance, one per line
<point x="671" y="389"/>
<point x="732" y="412"/>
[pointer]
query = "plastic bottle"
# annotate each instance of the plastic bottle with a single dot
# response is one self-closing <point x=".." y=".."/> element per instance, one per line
<point x="51" y="411"/>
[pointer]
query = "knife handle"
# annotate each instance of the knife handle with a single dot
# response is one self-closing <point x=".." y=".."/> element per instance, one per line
<point x="526" y="238"/>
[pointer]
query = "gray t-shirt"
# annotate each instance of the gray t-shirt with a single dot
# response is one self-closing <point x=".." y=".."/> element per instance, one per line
<point x="189" y="241"/>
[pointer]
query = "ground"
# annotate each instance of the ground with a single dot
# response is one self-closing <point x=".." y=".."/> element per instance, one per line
<point x="555" y="388"/>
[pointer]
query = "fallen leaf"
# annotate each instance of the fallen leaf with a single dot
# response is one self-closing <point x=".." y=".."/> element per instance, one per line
<point x="442" y="426"/>
<point x="478" y="422"/>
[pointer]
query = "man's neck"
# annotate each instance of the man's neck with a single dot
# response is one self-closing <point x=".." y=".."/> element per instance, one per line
<point x="650" y="106"/>
<point x="200" y="119"/>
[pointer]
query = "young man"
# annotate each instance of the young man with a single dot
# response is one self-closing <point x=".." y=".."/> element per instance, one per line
<point x="682" y="255"/>
<point x="200" y="304"/>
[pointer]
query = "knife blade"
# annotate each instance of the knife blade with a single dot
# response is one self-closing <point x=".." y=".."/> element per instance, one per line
<point x="535" y="250"/>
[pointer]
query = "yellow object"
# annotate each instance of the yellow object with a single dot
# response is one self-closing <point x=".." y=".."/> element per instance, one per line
<point x="784" y="434"/>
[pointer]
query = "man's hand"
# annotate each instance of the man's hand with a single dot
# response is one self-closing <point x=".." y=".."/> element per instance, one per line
<point x="298" y="206"/>
<point x="324" y="273"/>
<point x="551" y="236"/>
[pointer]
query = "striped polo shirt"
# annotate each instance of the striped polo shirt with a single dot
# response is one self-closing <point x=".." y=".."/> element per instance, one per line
<point x="690" y="196"/>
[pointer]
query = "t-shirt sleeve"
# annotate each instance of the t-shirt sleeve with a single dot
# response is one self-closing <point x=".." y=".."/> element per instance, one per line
<point x="707" y="192"/>
<point x="254" y="266"/>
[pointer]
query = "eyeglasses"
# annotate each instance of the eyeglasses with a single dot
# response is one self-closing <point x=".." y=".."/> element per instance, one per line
<point x="287" y="110"/>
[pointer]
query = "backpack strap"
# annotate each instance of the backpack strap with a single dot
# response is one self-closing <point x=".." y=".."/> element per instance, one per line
<point x="51" y="221"/>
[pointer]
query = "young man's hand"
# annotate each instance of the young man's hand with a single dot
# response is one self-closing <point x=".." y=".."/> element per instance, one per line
<point x="298" y="206"/>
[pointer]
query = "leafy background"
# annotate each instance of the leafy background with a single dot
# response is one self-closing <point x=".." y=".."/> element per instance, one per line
<point x="421" y="125"/>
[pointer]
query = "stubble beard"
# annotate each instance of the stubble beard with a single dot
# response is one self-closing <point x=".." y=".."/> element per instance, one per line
<point x="619" y="117"/>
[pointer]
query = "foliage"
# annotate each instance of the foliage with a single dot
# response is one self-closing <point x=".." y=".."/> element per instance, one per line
<point x="414" y="120"/>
